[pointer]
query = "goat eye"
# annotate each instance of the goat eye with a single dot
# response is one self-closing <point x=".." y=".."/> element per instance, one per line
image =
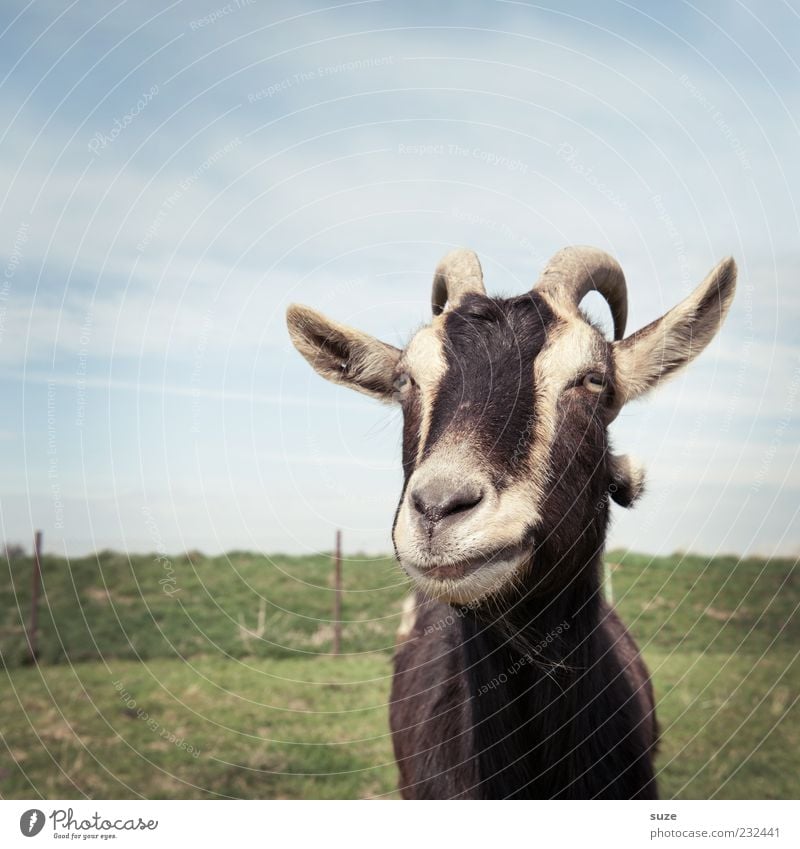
<point x="594" y="382"/>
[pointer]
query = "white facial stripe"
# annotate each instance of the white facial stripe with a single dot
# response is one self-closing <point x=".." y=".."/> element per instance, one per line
<point x="572" y="347"/>
<point x="426" y="362"/>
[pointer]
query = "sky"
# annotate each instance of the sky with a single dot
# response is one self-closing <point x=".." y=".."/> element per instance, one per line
<point x="174" y="175"/>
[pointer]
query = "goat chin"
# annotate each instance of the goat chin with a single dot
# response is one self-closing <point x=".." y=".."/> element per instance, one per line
<point x="477" y="582"/>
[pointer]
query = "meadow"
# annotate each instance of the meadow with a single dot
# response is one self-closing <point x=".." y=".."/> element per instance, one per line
<point x="207" y="677"/>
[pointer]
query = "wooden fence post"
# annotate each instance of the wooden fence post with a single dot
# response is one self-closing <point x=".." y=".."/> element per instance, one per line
<point x="337" y="595"/>
<point x="36" y="583"/>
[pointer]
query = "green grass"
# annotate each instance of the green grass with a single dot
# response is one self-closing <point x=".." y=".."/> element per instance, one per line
<point x="721" y="604"/>
<point x="729" y="724"/>
<point x="144" y="607"/>
<point x="262" y="728"/>
<point x="142" y="693"/>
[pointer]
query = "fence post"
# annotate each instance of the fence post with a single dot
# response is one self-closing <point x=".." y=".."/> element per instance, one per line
<point x="337" y="595"/>
<point x="608" y="582"/>
<point x="36" y="582"/>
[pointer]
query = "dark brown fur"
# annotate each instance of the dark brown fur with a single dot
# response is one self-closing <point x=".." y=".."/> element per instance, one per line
<point x="432" y="722"/>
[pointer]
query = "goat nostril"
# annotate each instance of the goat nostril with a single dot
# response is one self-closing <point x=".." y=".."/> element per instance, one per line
<point x="419" y="504"/>
<point x="435" y="501"/>
<point x="463" y="501"/>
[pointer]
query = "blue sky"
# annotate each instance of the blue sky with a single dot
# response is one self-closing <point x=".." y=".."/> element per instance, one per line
<point x="174" y="176"/>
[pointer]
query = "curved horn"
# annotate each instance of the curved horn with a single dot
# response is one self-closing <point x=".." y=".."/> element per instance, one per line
<point x="458" y="274"/>
<point x="573" y="272"/>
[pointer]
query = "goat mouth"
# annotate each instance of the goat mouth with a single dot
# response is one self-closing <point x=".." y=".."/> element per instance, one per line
<point x="461" y="568"/>
<point x="471" y="578"/>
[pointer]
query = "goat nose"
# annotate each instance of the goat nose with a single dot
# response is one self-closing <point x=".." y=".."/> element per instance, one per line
<point x="437" y="499"/>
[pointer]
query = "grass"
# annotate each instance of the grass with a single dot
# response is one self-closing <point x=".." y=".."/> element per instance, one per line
<point x="144" y="606"/>
<point x="254" y="729"/>
<point x="146" y="692"/>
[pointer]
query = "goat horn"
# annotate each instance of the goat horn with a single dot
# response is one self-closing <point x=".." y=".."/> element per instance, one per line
<point x="574" y="271"/>
<point x="458" y="274"/>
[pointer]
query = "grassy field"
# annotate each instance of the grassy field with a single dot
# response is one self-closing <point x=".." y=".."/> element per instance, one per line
<point x="211" y="677"/>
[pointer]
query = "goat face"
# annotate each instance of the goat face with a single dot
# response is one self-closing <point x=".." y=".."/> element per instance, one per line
<point x="506" y="405"/>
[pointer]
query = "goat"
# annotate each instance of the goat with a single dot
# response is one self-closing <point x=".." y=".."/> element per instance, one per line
<point x="517" y="679"/>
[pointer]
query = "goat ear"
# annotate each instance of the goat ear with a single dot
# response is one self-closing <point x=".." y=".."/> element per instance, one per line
<point x="665" y="346"/>
<point x="627" y="479"/>
<point x="343" y="355"/>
